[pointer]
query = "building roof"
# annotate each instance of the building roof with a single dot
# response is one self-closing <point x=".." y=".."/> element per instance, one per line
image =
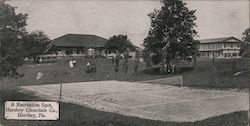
<point x="217" y="40"/>
<point x="80" y="40"/>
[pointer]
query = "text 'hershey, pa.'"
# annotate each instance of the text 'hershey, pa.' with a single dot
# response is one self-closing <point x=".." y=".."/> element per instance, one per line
<point x="32" y="110"/>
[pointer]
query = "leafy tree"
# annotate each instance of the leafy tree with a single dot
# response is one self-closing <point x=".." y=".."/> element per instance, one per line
<point x="246" y="36"/>
<point x="51" y="49"/>
<point x="246" y="41"/>
<point x="35" y="44"/>
<point x="172" y="31"/>
<point x="12" y="29"/>
<point x="119" y="43"/>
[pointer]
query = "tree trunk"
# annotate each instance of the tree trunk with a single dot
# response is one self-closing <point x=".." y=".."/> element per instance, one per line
<point x="162" y="63"/>
<point x="36" y="58"/>
<point x="195" y="61"/>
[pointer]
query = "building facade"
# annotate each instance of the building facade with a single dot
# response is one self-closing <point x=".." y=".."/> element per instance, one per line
<point x="228" y="47"/>
<point x="79" y="45"/>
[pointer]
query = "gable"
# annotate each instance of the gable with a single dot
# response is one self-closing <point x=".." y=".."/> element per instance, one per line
<point x="219" y="40"/>
<point x="232" y="39"/>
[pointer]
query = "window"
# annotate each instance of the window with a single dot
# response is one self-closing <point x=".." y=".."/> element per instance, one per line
<point x="238" y="45"/>
<point x="232" y="45"/>
<point x="225" y="45"/>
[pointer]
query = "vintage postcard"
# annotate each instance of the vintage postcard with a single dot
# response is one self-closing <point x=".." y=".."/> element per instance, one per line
<point x="124" y="62"/>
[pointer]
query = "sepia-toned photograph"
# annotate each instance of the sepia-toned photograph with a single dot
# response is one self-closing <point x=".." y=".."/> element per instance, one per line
<point x="124" y="62"/>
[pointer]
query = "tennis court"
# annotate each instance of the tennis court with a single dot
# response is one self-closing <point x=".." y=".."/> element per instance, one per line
<point x="150" y="101"/>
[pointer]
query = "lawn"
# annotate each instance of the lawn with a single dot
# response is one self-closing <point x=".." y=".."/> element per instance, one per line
<point x="56" y="72"/>
<point x="219" y="74"/>
<point x="207" y="75"/>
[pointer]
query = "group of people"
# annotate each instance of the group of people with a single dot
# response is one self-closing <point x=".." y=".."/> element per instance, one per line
<point x="168" y="68"/>
<point x="116" y="61"/>
<point x="91" y="66"/>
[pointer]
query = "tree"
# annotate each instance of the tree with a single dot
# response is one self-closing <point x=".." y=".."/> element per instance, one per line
<point x="35" y="44"/>
<point x="246" y="41"/>
<point x="119" y="43"/>
<point x="172" y="31"/>
<point x="12" y="29"/>
<point x="246" y="36"/>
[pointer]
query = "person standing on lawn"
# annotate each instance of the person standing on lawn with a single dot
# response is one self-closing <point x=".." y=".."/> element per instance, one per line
<point x="137" y="60"/>
<point x="125" y="64"/>
<point x="113" y="59"/>
<point x="88" y="67"/>
<point x="93" y="68"/>
<point x="71" y="64"/>
<point x="116" y="64"/>
<point x="149" y="62"/>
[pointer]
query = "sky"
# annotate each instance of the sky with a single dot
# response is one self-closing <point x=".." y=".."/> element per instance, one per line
<point x="105" y="18"/>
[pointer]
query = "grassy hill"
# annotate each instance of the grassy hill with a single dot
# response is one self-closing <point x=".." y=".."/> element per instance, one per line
<point x="220" y="73"/>
<point x="209" y="74"/>
<point x="59" y="71"/>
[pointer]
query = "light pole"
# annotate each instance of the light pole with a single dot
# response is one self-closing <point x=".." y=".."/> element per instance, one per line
<point x="60" y="95"/>
<point x="213" y="67"/>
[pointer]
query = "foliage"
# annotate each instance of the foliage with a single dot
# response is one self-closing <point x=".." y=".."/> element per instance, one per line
<point x="246" y="40"/>
<point x="246" y="36"/>
<point x="35" y="44"/>
<point x="12" y="29"/>
<point x="119" y="43"/>
<point x="172" y="30"/>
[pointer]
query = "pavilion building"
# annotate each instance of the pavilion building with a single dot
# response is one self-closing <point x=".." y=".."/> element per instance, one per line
<point x="227" y="47"/>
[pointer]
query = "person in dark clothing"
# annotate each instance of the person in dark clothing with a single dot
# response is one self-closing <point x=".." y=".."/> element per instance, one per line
<point x="137" y="62"/>
<point x="125" y="64"/>
<point x="116" y="65"/>
<point x="93" y="66"/>
<point x="113" y="60"/>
